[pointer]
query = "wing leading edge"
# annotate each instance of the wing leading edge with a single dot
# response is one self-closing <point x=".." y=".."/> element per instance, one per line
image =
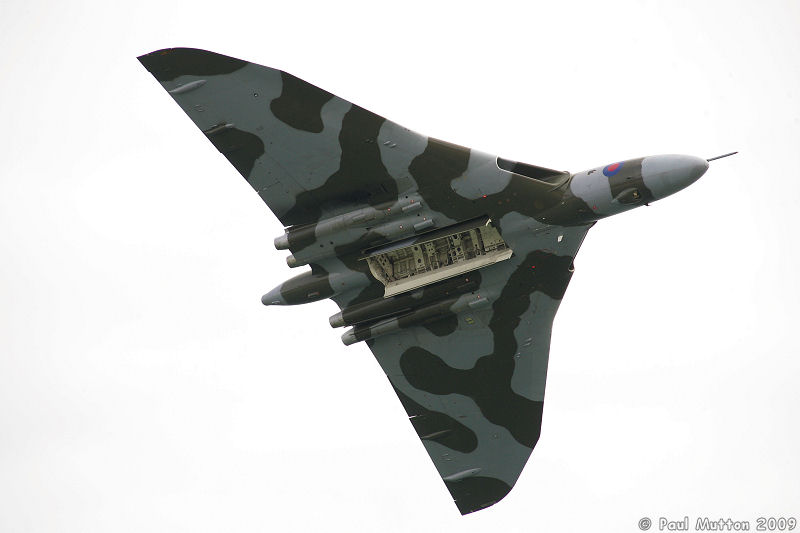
<point x="467" y="355"/>
<point x="305" y="151"/>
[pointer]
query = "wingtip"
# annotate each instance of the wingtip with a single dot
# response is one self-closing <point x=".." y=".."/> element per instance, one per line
<point x="155" y="53"/>
<point x="475" y="493"/>
<point x="168" y="64"/>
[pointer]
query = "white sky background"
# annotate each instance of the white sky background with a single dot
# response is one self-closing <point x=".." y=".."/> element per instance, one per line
<point x="143" y="386"/>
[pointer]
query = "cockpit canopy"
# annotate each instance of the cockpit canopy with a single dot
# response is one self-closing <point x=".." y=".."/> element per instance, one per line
<point x="547" y="175"/>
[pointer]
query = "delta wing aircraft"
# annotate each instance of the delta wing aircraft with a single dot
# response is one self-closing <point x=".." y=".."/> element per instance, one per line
<point x="448" y="262"/>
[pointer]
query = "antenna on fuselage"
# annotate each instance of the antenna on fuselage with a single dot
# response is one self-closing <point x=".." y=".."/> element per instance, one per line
<point x="721" y="156"/>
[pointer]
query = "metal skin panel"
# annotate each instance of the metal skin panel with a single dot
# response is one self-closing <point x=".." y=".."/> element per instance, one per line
<point x="467" y="355"/>
<point x="482" y="401"/>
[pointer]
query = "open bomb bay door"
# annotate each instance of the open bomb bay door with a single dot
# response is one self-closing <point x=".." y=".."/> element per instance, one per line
<point x="406" y="265"/>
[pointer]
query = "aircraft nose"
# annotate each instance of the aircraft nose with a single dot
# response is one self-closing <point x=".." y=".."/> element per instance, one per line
<point x="668" y="174"/>
<point x="696" y="167"/>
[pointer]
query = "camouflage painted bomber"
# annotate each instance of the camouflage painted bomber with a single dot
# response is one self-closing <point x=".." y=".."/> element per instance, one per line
<point x="478" y="249"/>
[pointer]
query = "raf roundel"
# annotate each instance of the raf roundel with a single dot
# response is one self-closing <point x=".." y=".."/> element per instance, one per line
<point x="612" y="169"/>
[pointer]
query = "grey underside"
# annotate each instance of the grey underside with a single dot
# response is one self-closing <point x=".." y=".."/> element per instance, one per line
<point x="472" y="382"/>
